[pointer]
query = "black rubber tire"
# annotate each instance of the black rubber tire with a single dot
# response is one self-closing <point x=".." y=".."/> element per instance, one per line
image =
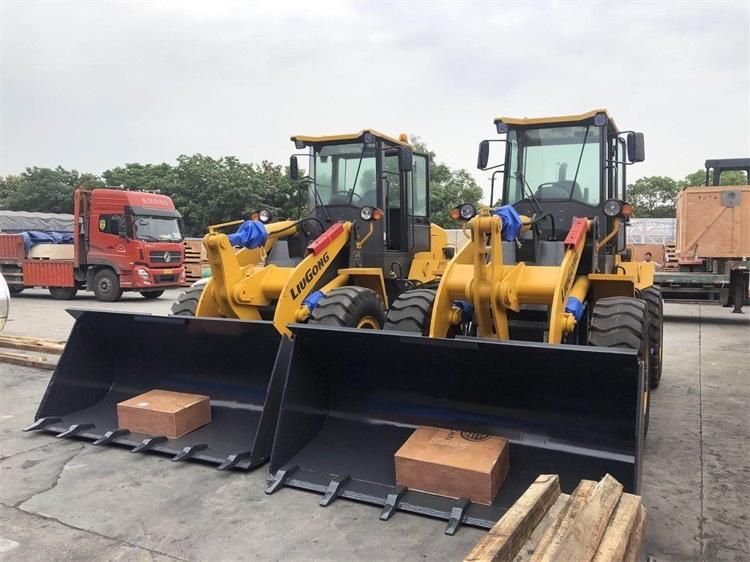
<point x="623" y="322"/>
<point x="187" y="303"/>
<point x="63" y="293"/>
<point x="349" y="307"/>
<point x="150" y="295"/>
<point x="16" y="289"/>
<point x="107" y="286"/>
<point x="411" y="312"/>
<point x="655" y="305"/>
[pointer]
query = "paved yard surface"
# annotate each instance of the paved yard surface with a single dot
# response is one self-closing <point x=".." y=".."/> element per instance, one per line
<point x="67" y="500"/>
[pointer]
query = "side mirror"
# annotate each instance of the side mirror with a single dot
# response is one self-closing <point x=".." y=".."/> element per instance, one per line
<point x="484" y="155"/>
<point x="293" y="168"/>
<point x="405" y="159"/>
<point x="636" y="148"/>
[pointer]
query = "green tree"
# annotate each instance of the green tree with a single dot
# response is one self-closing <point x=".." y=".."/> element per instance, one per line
<point x="698" y="178"/>
<point x="46" y="190"/>
<point x="448" y="187"/>
<point x="653" y="196"/>
<point x="149" y="177"/>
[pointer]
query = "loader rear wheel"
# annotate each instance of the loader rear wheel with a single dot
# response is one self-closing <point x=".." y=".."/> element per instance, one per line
<point x="623" y="322"/>
<point x="655" y="306"/>
<point x="350" y="307"/>
<point x="411" y="311"/>
<point x="187" y="303"/>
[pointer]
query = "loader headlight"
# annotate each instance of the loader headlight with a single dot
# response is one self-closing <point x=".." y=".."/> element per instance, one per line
<point x="464" y="212"/>
<point x="368" y="214"/>
<point x="501" y="127"/>
<point x="264" y="216"/>
<point x="612" y="208"/>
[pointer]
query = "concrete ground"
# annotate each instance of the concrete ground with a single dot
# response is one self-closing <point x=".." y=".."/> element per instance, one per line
<point x="68" y="500"/>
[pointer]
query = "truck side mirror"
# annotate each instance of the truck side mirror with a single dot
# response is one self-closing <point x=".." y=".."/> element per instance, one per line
<point x="405" y="159"/>
<point x="484" y="155"/>
<point x="636" y="148"/>
<point x="293" y="168"/>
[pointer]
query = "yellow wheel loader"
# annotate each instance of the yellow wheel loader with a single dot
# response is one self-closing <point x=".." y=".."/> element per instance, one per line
<point x="367" y="239"/>
<point x="540" y="330"/>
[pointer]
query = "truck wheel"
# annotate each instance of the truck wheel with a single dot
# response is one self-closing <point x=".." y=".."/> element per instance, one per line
<point x="63" y="293"/>
<point x="351" y="307"/>
<point x="187" y="303"/>
<point x="150" y="295"/>
<point x="107" y="286"/>
<point x="411" y="312"/>
<point x="623" y="322"/>
<point x="655" y="306"/>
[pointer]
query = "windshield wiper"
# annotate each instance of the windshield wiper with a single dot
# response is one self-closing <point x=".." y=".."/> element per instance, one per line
<point x="356" y="176"/>
<point x="148" y="238"/>
<point x="580" y="157"/>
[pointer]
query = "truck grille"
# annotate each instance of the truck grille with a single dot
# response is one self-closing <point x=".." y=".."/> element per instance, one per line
<point x="161" y="257"/>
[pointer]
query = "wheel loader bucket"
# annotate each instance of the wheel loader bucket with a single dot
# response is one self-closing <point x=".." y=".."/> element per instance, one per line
<point x="353" y="397"/>
<point x="111" y="357"/>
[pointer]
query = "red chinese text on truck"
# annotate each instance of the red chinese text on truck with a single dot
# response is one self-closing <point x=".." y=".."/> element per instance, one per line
<point x="120" y="241"/>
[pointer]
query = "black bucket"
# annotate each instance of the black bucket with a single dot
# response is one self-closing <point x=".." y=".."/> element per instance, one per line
<point x="112" y="356"/>
<point x="352" y="398"/>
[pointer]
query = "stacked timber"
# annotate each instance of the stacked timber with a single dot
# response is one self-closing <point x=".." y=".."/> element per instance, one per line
<point x="195" y="259"/>
<point x="40" y="348"/>
<point x="671" y="258"/>
<point x="596" y="522"/>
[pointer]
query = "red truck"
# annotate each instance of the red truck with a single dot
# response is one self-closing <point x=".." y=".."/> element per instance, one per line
<point x="119" y="241"/>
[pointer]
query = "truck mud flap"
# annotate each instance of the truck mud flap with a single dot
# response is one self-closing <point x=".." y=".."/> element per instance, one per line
<point x="112" y="356"/>
<point x="352" y="397"/>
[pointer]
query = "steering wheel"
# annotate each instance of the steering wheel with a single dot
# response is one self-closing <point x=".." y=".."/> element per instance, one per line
<point x="353" y="194"/>
<point x="562" y="189"/>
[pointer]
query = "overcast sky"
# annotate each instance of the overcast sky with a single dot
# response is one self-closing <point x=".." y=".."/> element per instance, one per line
<point x="92" y="85"/>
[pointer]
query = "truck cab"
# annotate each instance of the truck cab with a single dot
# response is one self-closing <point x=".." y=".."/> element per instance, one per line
<point x="127" y="240"/>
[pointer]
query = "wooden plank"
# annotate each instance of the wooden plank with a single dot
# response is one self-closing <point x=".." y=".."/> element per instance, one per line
<point x="25" y="360"/>
<point x="553" y="536"/>
<point x="32" y="344"/>
<point x="617" y="535"/>
<point x="585" y="534"/>
<point x="508" y="535"/>
<point x="633" y="552"/>
<point x="550" y="518"/>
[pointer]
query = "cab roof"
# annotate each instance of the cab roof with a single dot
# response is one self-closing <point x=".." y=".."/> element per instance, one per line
<point x="557" y="120"/>
<point x="307" y="139"/>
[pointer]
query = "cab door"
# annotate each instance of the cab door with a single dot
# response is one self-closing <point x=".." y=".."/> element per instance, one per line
<point x="417" y="197"/>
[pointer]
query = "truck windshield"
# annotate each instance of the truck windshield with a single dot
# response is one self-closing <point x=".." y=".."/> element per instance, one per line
<point x="157" y="229"/>
<point x="344" y="174"/>
<point x="554" y="163"/>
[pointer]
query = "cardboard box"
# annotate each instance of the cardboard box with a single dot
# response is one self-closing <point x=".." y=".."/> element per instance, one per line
<point x="453" y="463"/>
<point x="162" y="412"/>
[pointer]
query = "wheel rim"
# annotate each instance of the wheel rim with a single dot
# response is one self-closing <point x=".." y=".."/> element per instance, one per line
<point x="368" y="323"/>
<point x="105" y="286"/>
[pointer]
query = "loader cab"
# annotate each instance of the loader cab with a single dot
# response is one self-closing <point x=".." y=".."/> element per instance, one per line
<point x="558" y="168"/>
<point x="348" y="172"/>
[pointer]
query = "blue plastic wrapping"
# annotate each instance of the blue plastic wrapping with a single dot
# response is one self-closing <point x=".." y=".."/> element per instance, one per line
<point x="32" y="237"/>
<point x="312" y="301"/>
<point x="251" y="234"/>
<point x="575" y="307"/>
<point x="467" y="310"/>
<point x="511" y="222"/>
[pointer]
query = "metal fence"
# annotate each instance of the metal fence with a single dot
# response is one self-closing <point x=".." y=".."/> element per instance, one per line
<point x="651" y="231"/>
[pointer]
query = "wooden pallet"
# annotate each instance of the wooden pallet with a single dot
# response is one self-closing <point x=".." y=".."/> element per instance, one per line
<point x="41" y="348"/>
<point x="195" y="259"/>
<point x="596" y="522"/>
<point x="671" y="257"/>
